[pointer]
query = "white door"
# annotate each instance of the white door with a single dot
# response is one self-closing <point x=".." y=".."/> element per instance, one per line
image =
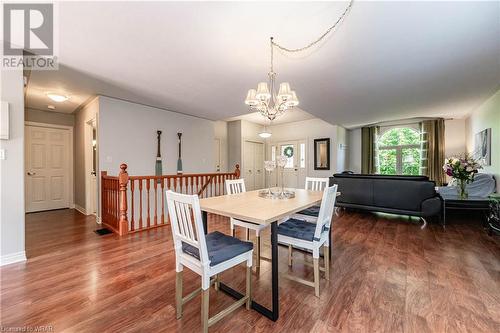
<point x="47" y="168"/>
<point x="295" y="171"/>
<point x="258" y="165"/>
<point x="253" y="164"/>
<point x="248" y="164"/>
<point x="217" y="154"/>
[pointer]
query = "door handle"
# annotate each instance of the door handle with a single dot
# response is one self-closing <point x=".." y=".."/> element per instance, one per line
<point x="31" y="173"/>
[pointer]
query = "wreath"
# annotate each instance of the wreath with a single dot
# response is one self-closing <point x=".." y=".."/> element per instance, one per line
<point x="288" y="152"/>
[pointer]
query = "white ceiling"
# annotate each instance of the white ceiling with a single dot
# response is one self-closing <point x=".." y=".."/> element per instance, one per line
<point x="388" y="60"/>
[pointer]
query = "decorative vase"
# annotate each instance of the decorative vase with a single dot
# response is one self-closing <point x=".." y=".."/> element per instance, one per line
<point x="461" y="188"/>
<point x="281" y="162"/>
<point x="269" y="166"/>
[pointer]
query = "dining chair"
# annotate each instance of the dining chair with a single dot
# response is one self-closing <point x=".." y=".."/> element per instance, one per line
<point x="313" y="184"/>
<point x="235" y="186"/>
<point x="206" y="255"/>
<point x="300" y="233"/>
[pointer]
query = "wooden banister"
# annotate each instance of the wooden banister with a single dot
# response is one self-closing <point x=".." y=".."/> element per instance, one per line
<point x="123" y="181"/>
<point x="117" y="197"/>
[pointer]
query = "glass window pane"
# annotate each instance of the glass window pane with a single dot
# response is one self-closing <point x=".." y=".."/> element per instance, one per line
<point x="411" y="161"/>
<point x="387" y="161"/>
<point x="302" y="155"/>
<point x="273" y="153"/>
<point x="289" y="162"/>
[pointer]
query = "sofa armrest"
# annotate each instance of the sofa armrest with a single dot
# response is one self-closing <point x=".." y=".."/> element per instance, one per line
<point x="431" y="206"/>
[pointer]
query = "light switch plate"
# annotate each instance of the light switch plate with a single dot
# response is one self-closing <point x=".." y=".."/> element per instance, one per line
<point x="2" y="154"/>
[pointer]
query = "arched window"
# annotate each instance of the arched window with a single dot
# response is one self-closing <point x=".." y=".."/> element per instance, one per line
<point x="399" y="151"/>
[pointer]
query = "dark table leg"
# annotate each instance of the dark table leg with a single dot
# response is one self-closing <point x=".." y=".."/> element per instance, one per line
<point x="274" y="313"/>
<point x="204" y="217"/>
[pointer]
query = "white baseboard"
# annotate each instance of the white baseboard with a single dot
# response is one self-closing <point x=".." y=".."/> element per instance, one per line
<point x="98" y="219"/>
<point x="81" y="209"/>
<point x="72" y="206"/>
<point x="12" y="258"/>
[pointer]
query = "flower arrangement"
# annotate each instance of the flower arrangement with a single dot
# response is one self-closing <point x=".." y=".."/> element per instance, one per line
<point x="462" y="169"/>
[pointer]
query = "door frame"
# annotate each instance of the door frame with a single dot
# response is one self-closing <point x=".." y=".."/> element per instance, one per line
<point x="87" y="157"/>
<point x="71" y="158"/>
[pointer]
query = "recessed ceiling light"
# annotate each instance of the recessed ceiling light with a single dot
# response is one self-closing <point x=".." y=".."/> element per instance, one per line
<point x="57" y="97"/>
<point x="51" y="107"/>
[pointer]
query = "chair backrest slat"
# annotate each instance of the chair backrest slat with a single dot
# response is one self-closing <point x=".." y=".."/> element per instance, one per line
<point x="187" y="223"/>
<point x="316" y="184"/>
<point x="326" y="211"/>
<point x="234" y="186"/>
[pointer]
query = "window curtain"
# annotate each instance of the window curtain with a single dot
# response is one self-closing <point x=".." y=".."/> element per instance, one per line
<point x="432" y="132"/>
<point x="369" y="156"/>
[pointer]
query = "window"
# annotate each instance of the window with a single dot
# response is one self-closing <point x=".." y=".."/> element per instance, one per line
<point x="289" y="161"/>
<point x="399" y="152"/>
<point x="303" y="155"/>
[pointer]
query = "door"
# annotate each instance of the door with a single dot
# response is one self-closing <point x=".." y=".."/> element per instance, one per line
<point x="93" y="173"/>
<point x="217" y="154"/>
<point x="47" y="168"/>
<point x="295" y="171"/>
<point x="253" y="164"/>
<point x="248" y="164"/>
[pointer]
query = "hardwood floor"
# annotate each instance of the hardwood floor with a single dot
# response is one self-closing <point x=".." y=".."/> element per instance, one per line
<point x="387" y="275"/>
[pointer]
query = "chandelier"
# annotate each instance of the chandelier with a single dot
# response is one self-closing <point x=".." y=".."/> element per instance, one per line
<point x="264" y="99"/>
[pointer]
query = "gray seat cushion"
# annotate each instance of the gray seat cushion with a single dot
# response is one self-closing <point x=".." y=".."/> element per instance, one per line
<point x="311" y="211"/>
<point x="220" y="248"/>
<point x="300" y="229"/>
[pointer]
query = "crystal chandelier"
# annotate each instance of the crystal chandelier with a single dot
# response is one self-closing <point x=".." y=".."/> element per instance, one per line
<point x="265" y="100"/>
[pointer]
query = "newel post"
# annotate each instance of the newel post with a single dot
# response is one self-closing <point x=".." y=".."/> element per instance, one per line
<point x="237" y="172"/>
<point x="123" y="181"/>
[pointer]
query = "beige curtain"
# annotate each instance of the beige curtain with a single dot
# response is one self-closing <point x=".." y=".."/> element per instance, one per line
<point x="433" y="150"/>
<point x="369" y="149"/>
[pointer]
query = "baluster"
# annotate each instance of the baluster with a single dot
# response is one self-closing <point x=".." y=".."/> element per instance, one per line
<point x="148" y="186"/>
<point x="122" y="200"/>
<point x="132" y="221"/>
<point x="155" y="184"/>
<point x="197" y="184"/>
<point x="162" y="200"/>
<point x="140" y="203"/>
<point x="175" y="184"/>
<point x="191" y="180"/>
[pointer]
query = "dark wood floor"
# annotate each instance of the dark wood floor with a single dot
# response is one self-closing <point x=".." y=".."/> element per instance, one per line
<point x="388" y="275"/>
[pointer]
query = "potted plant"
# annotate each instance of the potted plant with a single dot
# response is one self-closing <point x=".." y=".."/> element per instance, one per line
<point x="462" y="169"/>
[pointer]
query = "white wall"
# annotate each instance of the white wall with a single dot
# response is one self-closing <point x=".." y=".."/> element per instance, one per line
<point x="12" y="171"/>
<point x="485" y="116"/>
<point x="220" y="132"/>
<point x="454" y="142"/>
<point x="314" y="129"/>
<point x="127" y="134"/>
<point x="354" y="142"/>
<point x="49" y="117"/>
<point x="82" y="117"/>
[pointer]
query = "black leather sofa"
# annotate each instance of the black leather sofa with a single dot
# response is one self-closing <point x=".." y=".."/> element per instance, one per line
<point x="405" y="195"/>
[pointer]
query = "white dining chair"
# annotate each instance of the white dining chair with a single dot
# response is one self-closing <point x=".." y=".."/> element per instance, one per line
<point x="300" y="233"/>
<point x="206" y="255"/>
<point x="313" y="184"/>
<point x="236" y="186"/>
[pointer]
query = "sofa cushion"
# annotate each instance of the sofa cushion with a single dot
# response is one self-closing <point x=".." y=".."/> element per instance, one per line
<point x="220" y="248"/>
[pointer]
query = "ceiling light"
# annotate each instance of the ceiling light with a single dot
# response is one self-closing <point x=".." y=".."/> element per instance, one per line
<point x="57" y="97"/>
<point x="265" y="133"/>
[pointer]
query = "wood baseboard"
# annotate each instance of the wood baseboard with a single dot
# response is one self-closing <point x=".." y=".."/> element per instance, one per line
<point x="81" y="209"/>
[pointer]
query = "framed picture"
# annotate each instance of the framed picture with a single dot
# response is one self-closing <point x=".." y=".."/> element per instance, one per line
<point x="322" y="154"/>
<point x="482" y="149"/>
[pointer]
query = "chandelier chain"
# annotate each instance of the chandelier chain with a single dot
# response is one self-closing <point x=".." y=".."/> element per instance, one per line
<point x="315" y="41"/>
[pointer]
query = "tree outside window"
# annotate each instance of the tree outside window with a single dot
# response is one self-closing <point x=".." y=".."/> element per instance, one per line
<point x="399" y="152"/>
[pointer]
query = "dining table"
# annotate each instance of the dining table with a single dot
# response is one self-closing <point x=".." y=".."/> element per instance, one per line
<point x="250" y="207"/>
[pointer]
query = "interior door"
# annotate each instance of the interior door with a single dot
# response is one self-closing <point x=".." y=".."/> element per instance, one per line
<point x="248" y="164"/>
<point x="259" y="165"/>
<point x="47" y="168"/>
